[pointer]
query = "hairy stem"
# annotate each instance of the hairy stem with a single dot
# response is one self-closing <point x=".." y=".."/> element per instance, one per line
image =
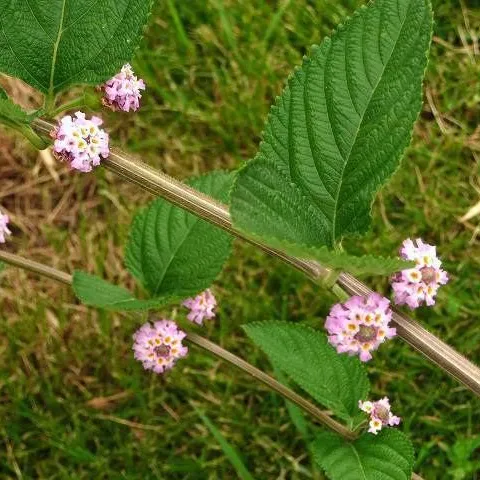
<point x="207" y="208"/>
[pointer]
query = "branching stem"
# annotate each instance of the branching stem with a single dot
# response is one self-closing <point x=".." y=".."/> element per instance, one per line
<point x="179" y="194"/>
<point x="205" y="344"/>
<point x="216" y="350"/>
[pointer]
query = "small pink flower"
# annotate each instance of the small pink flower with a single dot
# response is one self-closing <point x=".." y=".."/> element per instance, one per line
<point x="201" y="307"/>
<point x="122" y="92"/>
<point x="360" y="325"/>
<point x="380" y="414"/>
<point x="159" y="346"/>
<point x="420" y="284"/>
<point x="4" y="231"/>
<point x="80" y="141"/>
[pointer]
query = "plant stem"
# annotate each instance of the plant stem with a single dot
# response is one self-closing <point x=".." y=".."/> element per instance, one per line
<point x="76" y="103"/>
<point x="38" y="142"/>
<point x="205" y="344"/>
<point x="49" y="104"/>
<point x="210" y="347"/>
<point x="270" y="382"/>
<point x="341" y="294"/>
<point x="36" y="267"/>
<point x="209" y="209"/>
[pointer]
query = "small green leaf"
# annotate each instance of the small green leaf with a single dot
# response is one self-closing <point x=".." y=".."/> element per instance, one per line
<point x="386" y="456"/>
<point x="339" y="129"/>
<point x="15" y="117"/>
<point x="96" y="292"/>
<point x="340" y="260"/>
<point x="229" y="451"/>
<point x="336" y="381"/>
<point x="51" y="44"/>
<point x="171" y="251"/>
<point x="12" y="114"/>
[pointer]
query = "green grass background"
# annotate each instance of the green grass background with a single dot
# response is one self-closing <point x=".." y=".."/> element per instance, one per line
<point x="73" y="402"/>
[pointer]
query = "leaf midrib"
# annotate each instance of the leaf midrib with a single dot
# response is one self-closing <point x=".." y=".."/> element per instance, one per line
<point x="55" y="49"/>
<point x="98" y="54"/>
<point x="174" y="252"/>
<point x="347" y="159"/>
<point x="357" y="456"/>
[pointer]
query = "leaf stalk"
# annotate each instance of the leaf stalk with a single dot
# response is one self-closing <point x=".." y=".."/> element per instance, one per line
<point x="38" y="142"/>
<point x="76" y="103"/>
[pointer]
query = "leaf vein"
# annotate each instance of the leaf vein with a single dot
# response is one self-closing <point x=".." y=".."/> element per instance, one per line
<point x="55" y="48"/>
<point x="38" y="21"/>
<point x="98" y="54"/>
<point x="340" y="183"/>
<point x="17" y="57"/>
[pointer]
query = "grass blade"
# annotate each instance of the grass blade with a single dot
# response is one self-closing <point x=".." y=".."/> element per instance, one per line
<point x="229" y="451"/>
<point x="181" y="33"/>
<point x="272" y="26"/>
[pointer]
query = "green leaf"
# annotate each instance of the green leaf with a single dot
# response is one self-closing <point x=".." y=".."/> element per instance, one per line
<point x="12" y="114"/>
<point x="171" y="251"/>
<point x="229" y="451"/>
<point x="15" y="117"/>
<point x="51" y="44"/>
<point x="336" y="381"/>
<point x="96" y="292"/>
<point x="340" y="260"/>
<point x="339" y="129"/>
<point x="386" y="456"/>
<point x="297" y="415"/>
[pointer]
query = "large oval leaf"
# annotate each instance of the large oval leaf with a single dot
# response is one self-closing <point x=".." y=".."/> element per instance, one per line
<point x="339" y="128"/>
<point x="52" y="44"/>
<point x="173" y="252"/>
<point x="336" y="381"/>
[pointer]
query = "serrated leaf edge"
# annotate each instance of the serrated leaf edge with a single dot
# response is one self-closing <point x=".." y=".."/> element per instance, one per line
<point x="306" y="59"/>
<point x="245" y="327"/>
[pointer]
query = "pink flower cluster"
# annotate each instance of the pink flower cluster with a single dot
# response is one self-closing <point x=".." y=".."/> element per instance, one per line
<point x="380" y="414"/>
<point x="420" y="284"/>
<point x="122" y="92"/>
<point x="80" y="141"/>
<point x="201" y="307"/>
<point x="4" y="231"/>
<point x="360" y="325"/>
<point x="159" y="345"/>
